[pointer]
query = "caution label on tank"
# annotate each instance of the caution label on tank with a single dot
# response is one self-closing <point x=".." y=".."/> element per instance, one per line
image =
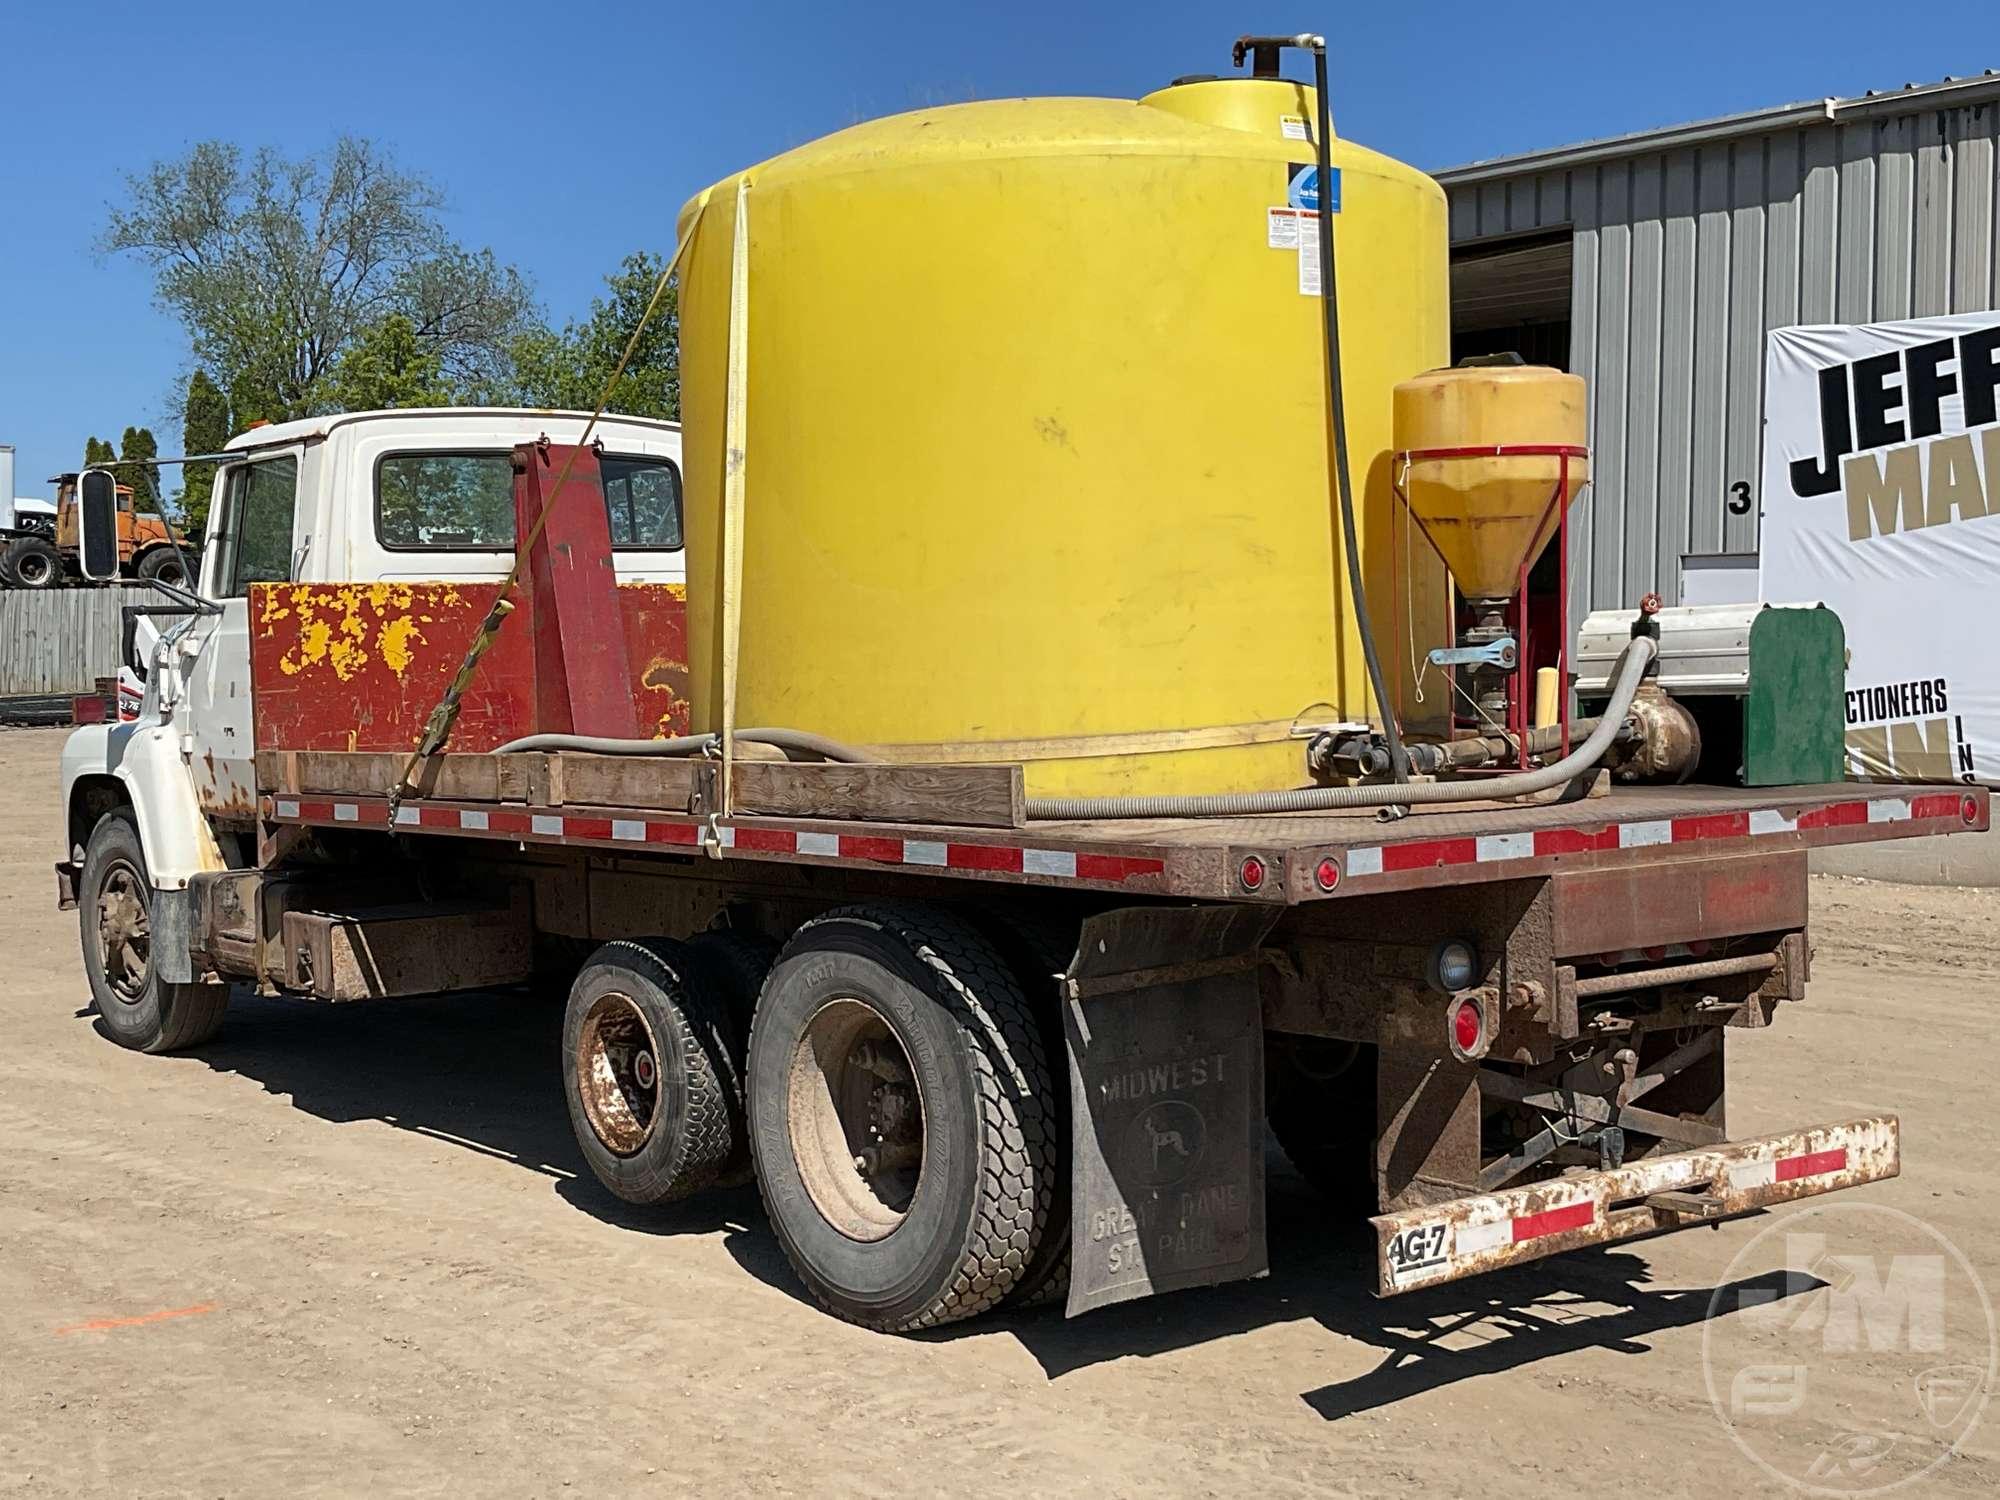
<point x="1296" y="230"/>
<point x="1293" y="128"/>
<point x="1283" y="227"/>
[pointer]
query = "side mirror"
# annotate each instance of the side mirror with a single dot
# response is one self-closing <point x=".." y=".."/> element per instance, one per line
<point x="97" y="525"/>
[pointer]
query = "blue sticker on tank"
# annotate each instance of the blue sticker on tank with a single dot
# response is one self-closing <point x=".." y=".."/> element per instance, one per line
<point x="1302" y="187"/>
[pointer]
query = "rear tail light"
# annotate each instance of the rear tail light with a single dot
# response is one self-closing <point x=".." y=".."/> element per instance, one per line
<point x="1468" y="1028"/>
<point x="1467" y="1022"/>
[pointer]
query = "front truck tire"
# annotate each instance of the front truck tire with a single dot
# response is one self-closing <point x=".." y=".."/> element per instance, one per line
<point x="163" y="564"/>
<point x="34" y="563"/>
<point x="651" y="1073"/>
<point x="902" y="1117"/>
<point x="114" y="906"/>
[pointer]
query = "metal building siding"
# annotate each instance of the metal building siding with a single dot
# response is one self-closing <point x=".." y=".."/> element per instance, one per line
<point x="1685" y="255"/>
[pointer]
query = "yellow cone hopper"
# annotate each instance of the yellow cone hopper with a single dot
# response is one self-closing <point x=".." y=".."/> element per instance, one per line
<point x="1489" y="514"/>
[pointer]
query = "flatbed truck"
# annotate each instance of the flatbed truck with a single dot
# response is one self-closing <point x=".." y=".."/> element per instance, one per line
<point x="970" y="1059"/>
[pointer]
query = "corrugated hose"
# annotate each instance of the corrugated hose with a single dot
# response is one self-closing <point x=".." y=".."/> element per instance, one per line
<point x="1631" y="670"/>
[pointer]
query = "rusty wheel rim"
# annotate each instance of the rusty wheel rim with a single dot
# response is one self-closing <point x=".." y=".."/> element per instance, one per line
<point x="124" y="932"/>
<point x="856" y="1119"/>
<point x="618" y="1073"/>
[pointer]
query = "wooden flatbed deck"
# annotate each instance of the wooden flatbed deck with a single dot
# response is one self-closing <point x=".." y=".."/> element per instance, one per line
<point x="1303" y="857"/>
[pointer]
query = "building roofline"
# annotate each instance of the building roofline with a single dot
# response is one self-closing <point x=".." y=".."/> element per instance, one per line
<point x="1947" y="93"/>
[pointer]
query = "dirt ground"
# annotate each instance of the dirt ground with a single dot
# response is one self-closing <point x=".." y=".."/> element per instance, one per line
<point x="353" y="1249"/>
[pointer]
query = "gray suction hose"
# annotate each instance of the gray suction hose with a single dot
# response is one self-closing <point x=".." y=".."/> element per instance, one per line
<point x="1631" y="669"/>
<point x="788" y="740"/>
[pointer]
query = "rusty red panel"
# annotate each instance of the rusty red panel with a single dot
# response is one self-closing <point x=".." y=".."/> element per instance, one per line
<point x="1678" y="901"/>
<point x="359" y="666"/>
<point x="583" y="684"/>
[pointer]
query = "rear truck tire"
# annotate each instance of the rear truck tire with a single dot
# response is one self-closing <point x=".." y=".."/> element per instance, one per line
<point x="163" y="565"/>
<point x="734" y="966"/>
<point x="1320" y="1105"/>
<point x="731" y="967"/>
<point x="650" y="1073"/>
<point x="7" y="578"/>
<point x="34" y="563"/>
<point x="1040" y="949"/>
<point x="139" y="1009"/>
<point x="903" y="1119"/>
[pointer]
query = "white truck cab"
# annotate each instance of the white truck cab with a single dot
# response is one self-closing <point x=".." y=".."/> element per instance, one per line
<point x="360" y="497"/>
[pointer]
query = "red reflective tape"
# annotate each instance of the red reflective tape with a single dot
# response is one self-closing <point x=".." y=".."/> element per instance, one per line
<point x="1835" y="815"/>
<point x="865" y="846"/>
<point x="586" y="828"/>
<point x="1937" y="805"/>
<point x="1429" y="854"/>
<point x="767" y="840"/>
<point x="1575" y="840"/>
<point x="1734" y="825"/>
<point x="675" y="833"/>
<point x="1812" y="1164"/>
<point x="500" y="821"/>
<point x="315" y="812"/>
<point x="1555" y="1221"/>
<point x="1115" y="868"/>
<point x="983" y="857"/>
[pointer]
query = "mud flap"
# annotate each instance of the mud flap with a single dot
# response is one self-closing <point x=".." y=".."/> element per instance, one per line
<point x="1165" y="1034"/>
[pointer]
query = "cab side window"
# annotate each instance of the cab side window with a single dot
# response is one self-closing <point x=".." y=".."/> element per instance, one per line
<point x="258" y="514"/>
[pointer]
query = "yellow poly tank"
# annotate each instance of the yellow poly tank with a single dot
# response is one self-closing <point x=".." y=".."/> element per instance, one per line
<point x="1036" y="452"/>
<point x="1490" y="516"/>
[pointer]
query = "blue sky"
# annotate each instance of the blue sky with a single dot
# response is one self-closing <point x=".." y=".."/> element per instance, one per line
<point x="567" y="135"/>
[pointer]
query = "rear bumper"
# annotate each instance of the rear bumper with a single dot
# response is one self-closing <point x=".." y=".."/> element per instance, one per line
<point x="1421" y="1247"/>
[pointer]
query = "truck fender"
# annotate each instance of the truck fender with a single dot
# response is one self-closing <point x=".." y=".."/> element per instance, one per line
<point x="145" y="761"/>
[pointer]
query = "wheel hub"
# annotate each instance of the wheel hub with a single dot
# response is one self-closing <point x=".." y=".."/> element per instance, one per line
<point x="124" y="932"/>
<point x="857" y="1124"/>
<point x="617" y="1073"/>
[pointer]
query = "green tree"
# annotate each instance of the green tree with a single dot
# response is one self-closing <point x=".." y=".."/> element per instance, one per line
<point x="136" y="450"/>
<point x="277" y="267"/>
<point x="204" y="429"/>
<point x="568" y="368"/>
<point x="388" y="365"/>
<point x="97" y="453"/>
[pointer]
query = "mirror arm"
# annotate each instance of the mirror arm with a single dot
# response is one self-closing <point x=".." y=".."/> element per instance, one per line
<point x="184" y="603"/>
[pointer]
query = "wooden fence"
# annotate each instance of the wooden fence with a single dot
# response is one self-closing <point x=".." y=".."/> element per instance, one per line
<point x="61" y="640"/>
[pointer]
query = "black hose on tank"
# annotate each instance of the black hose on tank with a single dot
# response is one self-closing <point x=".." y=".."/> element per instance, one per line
<point x="1399" y="758"/>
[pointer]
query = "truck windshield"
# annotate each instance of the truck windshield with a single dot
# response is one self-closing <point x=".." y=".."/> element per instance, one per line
<point x="464" y="502"/>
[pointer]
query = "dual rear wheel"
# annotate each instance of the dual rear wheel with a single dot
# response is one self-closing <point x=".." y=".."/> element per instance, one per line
<point x="893" y="1091"/>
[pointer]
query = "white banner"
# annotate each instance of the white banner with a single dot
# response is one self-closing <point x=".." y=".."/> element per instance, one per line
<point x="1881" y="496"/>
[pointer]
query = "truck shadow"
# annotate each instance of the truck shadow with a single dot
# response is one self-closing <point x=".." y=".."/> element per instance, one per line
<point x="480" y="1072"/>
<point x="1322" y="1268"/>
<point x="477" y="1071"/>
